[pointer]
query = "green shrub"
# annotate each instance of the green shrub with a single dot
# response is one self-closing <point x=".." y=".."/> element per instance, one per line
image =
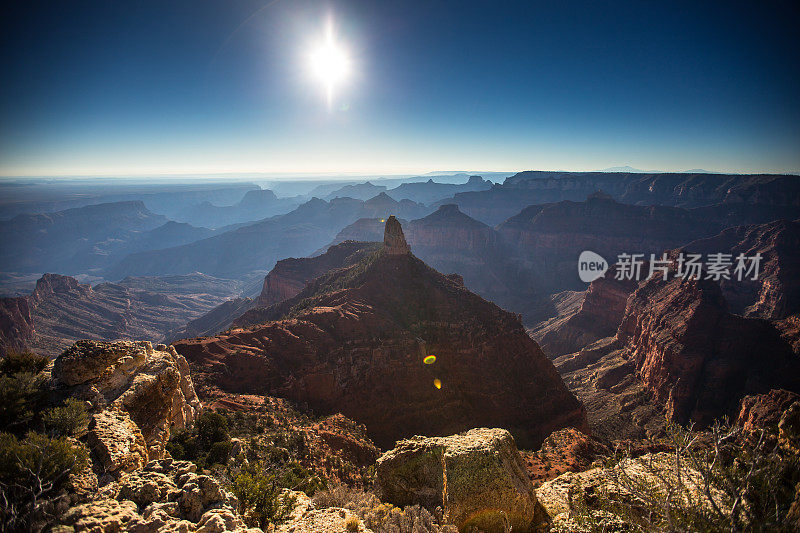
<point x="177" y="451"/>
<point x="22" y="395"/>
<point x="206" y="444"/>
<point x="183" y="446"/>
<point x="33" y="473"/>
<point x="719" y="480"/>
<point x="68" y="420"/>
<point x="211" y="427"/>
<point x="296" y="477"/>
<point x="218" y="453"/>
<point x="260" y="499"/>
<point x="16" y="362"/>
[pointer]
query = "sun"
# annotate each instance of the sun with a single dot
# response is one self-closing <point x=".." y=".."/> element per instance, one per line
<point x="330" y="63"/>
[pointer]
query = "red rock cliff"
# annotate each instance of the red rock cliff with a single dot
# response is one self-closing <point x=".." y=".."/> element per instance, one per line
<point x="698" y="358"/>
<point x="16" y="324"/>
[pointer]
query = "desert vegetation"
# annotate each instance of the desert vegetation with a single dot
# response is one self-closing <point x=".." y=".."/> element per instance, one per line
<point x="719" y="480"/>
<point x="38" y="455"/>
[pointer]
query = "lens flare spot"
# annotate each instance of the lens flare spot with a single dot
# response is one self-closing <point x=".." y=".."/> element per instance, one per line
<point x="429" y="360"/>
<point x="437" y="383"/>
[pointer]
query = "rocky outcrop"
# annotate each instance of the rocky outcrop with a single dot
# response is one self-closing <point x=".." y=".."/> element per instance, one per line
<point x="355" y="341"/>
<point x="450" y="241"/>
<point x="138" y="395"/>
<point x="565" y="450"/>
<point x="478" y="478"/>
<point x="286" y="280"/>
<point x="337" y="436"/>
<point x="116" y="442"/>
<point x="575" y="498"/>
<point x="789" y="430"/>
<point x="327" y="520"/>
<point x="165" y="495"/>
<point x="16" y="325"/>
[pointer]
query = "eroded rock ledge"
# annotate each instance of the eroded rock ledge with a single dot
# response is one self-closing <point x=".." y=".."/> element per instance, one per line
<point x="136" y="395"/>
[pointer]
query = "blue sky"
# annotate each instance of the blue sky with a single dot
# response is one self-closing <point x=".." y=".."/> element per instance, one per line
<point x="112" y="88"/>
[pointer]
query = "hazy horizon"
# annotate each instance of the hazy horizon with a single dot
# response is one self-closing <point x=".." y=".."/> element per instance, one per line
<point x="343" y="176"/>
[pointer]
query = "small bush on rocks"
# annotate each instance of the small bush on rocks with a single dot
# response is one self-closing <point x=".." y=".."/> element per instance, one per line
<point x="67" y="420"/>
<point x="261" y="501"/>
<point x="33" y="474"/>
<point x="28" y="362"/>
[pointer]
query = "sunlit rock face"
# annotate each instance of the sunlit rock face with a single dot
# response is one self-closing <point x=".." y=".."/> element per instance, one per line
<point x="355" y="339"/>
<point x="132" y="389"/>
<point x="165" y="495"/>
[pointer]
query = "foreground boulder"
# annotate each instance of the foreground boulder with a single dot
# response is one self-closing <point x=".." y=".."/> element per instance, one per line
<point x="477" y="477"/>
<point x="135" y="392"/>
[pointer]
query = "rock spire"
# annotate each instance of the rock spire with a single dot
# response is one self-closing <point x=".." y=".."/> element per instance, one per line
<point x="393" y="238"/>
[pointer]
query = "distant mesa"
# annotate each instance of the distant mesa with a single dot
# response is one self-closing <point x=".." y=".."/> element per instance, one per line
<point x="630" y="169"/>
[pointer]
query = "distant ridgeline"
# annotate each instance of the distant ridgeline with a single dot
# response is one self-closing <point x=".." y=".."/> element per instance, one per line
<point x="674" y="189"/>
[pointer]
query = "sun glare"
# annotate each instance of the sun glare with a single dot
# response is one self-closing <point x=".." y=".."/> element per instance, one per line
<point x="330" y="64"/>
